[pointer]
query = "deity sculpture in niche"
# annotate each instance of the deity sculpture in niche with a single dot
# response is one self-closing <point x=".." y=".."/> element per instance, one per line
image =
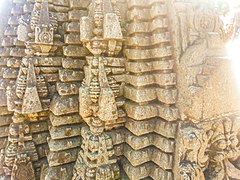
<point x="30" y="96"/>
<point x="100" y="107"/>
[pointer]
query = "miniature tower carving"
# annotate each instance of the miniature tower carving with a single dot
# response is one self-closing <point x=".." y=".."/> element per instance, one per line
<point x="30" y="96"/>
<point x="100" y="107"/>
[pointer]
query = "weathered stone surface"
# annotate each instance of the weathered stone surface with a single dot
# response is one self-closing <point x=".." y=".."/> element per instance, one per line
<point x="75" y="51"/>
<point x="3" y="97"/>
<point x="27" y="8"/>
<point x="51" y="77"/>
<point x="49" y="70"/>
<point x="5" y="120"/>
<point x="5" y="52"/>
<point x="62" y="17"/>
<point x="37" y="127"/>
<point x="3" y="142"/>
<point x="79" y="3"/>
<point x="145" y="170"/>
<point x="17" y="42"/>
<point x="10" y="31"/>
<point x="72" y="27"/>
<point x="4" y="131"/>
<point x="72" y="38"/>
<point x="61" y="105"/>
<point x="140" y="67"/>
<point x="120" y="136"/>
<point x="163" y="160"/>
<point x="4" y="111"/>
<point x="63" y="120"/>
<point x="136" y="54"/>
<point x="17" y="52"/>
<point x="164" y="128"/>
<point x="63" y="172"/>
<point x="42" y="153"/>
<point x="49" y="61"/>
<point x="10" y="73"/>
<point x="148" y="79"/>
<point x="13" y="62"/>
<point x="69" y="63"/>
<point x="75" y="14"/>
<point x="3" y="61"/>
<point x="67" y="88"/>
<point x="167" y="96"/>
<point x="63" y="144"/>
<point x="17" y="10"/>
<point x="65" y="131"/>
<point x="66" y="75"/>
<point x="62" y="157"/>
<point x="61" y="2"/>
<point x="40" y="138"/>
<point x="7" y="41"/>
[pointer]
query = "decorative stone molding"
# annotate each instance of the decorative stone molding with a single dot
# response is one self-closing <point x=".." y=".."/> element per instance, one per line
<point x="116" y="89"/>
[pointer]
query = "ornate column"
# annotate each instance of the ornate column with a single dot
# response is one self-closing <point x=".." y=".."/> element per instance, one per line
<point x="100" y="105"/>
<point x="29" y="99"/>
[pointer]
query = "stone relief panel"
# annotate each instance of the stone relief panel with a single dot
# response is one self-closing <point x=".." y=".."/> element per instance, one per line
<point x="116" y="89"/>
<point x="210" y="149"/>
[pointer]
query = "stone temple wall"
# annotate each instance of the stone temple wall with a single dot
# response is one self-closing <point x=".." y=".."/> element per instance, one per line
<point x="116" y="89"/>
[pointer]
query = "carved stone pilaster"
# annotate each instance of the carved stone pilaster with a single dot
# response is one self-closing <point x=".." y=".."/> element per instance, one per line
<point x="29" y="97"/>
<point x="20" y="151"/>
<point x="100" y="108"/>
